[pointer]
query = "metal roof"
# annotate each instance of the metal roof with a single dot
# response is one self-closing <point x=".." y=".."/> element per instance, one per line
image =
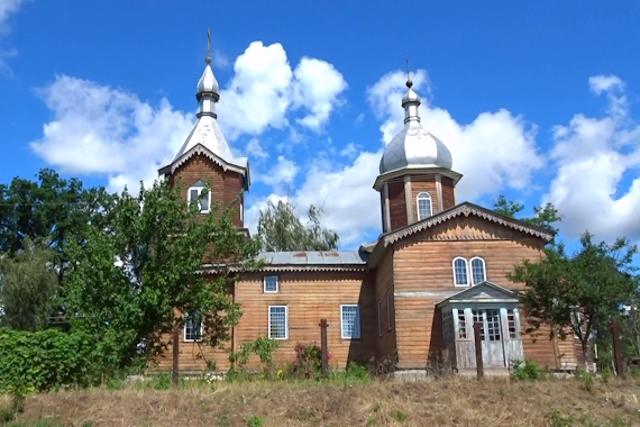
<point x="311" y="258"/>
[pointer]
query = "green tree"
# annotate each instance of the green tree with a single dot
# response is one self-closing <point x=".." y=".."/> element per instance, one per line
<point x="544" y="216"/>
<point x="579" y="293"/>
<point x="136" y="279"/>
<point x="49" y="210"/>
<point x="28" y="287"/>
<point x="280" y="229"/>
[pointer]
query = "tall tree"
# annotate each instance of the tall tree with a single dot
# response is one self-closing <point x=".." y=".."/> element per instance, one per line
<point x="28" y="287"/>
<point x="544" y="216"/>
<point x="280" y="229"/>
<point x="136" y="279"/>
<point x="579" y="293"/>
<point x="49" y="210"/>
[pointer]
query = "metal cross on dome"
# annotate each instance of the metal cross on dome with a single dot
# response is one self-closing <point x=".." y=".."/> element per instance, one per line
<point x="208" y="58"/>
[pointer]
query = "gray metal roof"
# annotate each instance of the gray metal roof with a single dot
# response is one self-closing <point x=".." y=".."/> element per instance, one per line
<point x="312" y="258"/>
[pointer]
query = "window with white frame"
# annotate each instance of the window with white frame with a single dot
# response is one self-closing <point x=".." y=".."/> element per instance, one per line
<point x="478" y="272"/>
<point x="512" y="324"/>
<point x="460" y="273"/>
<point x="270" y="284"/>
<point x="462" y="324"/>
<point x="278" y="322"/>
<point x="192" y="327"/>
<point x="350" y="321"/>
<point x="199" y="195"/>
<point x="423" y="202"/>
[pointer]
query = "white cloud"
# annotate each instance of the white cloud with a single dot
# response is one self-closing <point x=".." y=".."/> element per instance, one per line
<point x="265" y="90"/>
<point x="317" y="87"/>
<point x="495" y="151"/>
<point x="97" y="129"/>
<point x="344" y="193"/>
<point x="254" y="150"/>
<point x="7" y="9"/>
<point x="591" y="157"/>
<point x="283" y="173"/>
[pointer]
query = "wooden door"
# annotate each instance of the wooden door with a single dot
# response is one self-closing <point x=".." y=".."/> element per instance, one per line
<point x="490" y="337"/>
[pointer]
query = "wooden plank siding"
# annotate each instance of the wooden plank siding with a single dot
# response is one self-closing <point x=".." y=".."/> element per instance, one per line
<point x="309" y="298"/>
<point x="423" y="276"/>
<point x="386" y="341"/>
<point x="397" y="204"/>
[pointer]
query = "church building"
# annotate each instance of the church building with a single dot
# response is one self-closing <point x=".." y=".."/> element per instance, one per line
<point x="407" y="301"/>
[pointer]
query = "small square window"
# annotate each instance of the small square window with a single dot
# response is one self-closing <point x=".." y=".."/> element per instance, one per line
<point x="350" y="321"/>
<point x="270" y="284"/>
<point x="278" y="322"/>
<point x="200" y="196"/>
<point x="192" y="328"/>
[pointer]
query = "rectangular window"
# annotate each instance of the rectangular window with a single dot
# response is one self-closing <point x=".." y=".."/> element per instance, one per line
<point x="462" y="325"/>
<point x="270" y="284"/>
<point x="512" y="324"/>
<point x="479" y="318"/>
<point x="278" y="322"/>
<point x="493" y="325"/>
<point x="192" y="328"/>
<point x="200" y="196"/>
<point x="350" y="321"/>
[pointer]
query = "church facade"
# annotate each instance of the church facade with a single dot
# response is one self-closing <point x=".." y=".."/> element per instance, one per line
<point x="407" y="301"/>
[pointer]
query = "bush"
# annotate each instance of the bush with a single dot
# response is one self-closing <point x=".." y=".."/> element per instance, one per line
<point x="47" y="359"/>
<point x="357" y="372"/>
<point x="308" y="361"/>
<point x="526" y="370"/>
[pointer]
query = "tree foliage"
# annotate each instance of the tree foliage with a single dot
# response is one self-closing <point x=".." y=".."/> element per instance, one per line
<point x="544" y="216"/>
<point x="579" y="293"/>
<point x="28" y="287"/>
<point x="280" y="229"/>
<point x="49" y="210"/>
<point x="134" y="280"/>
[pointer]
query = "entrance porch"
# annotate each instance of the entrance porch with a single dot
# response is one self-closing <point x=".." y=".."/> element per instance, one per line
<point x="496" y="309"/>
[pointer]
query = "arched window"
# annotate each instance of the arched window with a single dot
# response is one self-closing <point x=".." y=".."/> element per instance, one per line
<point x="199" y="195"/>
<point x="423" y="202"/>
<point x="460" y="277"/>
<point x="478" y="270"/>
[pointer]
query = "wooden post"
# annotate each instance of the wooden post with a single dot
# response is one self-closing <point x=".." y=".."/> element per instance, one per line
<point x="617" y="348"/>
<point x="175" y="366"/>
<point x="324" y="367"/>
<point x="477" y="326"/>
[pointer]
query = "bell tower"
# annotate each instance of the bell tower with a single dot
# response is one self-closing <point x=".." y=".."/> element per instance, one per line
<point x="416" y="180"/>
<point x="204" y="169"/>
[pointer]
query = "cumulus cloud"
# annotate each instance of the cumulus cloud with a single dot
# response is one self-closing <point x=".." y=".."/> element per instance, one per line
<point x="97" y="129"/>
<point x="592" y="156"/>
<point x="494" y="152"/>
<point x="265" y="90"/>
<point x="8" y="8"/>
<point x="283" y="173"/>
<point x="344" y="193"/>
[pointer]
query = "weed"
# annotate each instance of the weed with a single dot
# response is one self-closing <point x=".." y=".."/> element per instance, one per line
<point x="399" y="416"/>
<point x="586" y="379"/>
<point x="526" y="370"/>
<point x="557" y="419"/>
<point x="161" y="382"/>
<point x="255" y="421"/>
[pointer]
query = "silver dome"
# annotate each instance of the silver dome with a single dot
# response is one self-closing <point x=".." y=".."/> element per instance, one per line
<point x="413" y="146"/>
<point x="207" y="82"/>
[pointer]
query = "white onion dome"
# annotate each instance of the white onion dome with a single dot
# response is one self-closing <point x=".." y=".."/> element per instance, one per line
<point x="208" y="85"/>
<point x="413" y="146"/>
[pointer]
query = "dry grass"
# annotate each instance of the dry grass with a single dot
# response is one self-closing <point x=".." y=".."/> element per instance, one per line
<point x="456" y="401"/>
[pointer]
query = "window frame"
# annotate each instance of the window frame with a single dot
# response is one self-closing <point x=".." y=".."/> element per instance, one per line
<point x="484" y="269"/>
<point x="264" y="284"/>
<point x="184" y="330"/>
<point x="200" y="187"/>
<point x="424" y="195"/>
<point x="466" y="272"/>
<point x="342" y="335"/>
<point x="286" y="322"/>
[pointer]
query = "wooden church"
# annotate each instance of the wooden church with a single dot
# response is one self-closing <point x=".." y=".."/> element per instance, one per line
<point x="408" y="301"/>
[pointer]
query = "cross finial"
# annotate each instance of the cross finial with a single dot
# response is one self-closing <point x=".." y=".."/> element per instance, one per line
<point x="409" y="82"/>
<point x="208" y="58"/>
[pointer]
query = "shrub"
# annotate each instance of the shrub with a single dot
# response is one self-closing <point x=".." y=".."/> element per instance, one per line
<point x="308" y="361"/>
<point x="263" y="347"/>
<point x="526" y="370"/>
<point x="357" y="372"/>
<point x="47" y="359"/>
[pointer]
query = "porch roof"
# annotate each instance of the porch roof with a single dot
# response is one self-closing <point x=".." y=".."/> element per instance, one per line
<point x="484" y="292"/>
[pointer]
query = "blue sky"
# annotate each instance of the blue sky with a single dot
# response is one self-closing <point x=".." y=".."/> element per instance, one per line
<point x="536" y="100"/>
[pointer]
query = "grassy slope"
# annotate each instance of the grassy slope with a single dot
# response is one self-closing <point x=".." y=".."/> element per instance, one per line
<point x="457" y="401"/>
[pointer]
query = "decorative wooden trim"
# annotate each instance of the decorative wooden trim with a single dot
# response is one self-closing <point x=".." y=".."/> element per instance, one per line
<point x="467" y="209"/>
